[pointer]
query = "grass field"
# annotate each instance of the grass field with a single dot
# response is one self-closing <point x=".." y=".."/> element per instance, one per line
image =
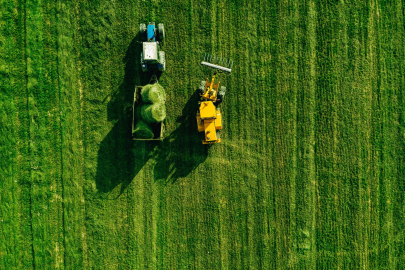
<point x="310" y="173"/>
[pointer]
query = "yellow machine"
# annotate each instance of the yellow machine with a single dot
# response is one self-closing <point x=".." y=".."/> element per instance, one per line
<point x="209" y="116"/>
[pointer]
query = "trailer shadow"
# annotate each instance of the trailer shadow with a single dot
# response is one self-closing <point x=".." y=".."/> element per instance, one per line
<point x="182" y="151"/>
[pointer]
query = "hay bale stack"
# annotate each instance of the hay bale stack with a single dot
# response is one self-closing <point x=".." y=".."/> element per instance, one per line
<point x="153" y="93"/>
<point x="143" y="130"/>
<point x="152" y="113"/>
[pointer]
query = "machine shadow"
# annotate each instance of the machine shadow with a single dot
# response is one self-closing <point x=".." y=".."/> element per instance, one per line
<point x="182" y="151"/>
<point x="117" y="164"/>
<point x="120" y="158"/>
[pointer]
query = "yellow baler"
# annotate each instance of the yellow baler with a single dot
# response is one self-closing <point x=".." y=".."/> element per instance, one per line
<point x="209" y="116"/>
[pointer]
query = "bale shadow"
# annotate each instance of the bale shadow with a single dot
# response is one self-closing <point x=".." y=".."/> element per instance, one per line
<point x="182" y="151"/>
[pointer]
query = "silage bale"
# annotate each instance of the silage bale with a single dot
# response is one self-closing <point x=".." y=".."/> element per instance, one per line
<point x="153" y="93"/>
<point x="145" y="89"/>
<point x="153" y="113"/>
<point x="143" y="130"/>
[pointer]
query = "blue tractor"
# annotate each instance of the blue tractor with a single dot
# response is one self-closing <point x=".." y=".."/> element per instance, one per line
<point x="152" y="38"/>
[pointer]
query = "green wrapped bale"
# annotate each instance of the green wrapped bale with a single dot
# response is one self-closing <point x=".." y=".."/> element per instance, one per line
<point x="153" y="93"/>
<point x="143" y="130"/>
<point x="153" y="113"/>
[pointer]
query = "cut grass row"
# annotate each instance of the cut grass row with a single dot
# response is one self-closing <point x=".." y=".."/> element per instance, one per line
<point x="15" y="230"/>
<point x="44" y="135"/>
<point x="71" y="107"/>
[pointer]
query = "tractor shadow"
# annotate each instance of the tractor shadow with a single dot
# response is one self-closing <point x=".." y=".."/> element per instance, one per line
<point x="181" y="152"/>
<point x="117" y="164"/>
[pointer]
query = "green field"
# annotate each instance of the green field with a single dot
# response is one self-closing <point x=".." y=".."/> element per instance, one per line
<point x="310" y="173"/>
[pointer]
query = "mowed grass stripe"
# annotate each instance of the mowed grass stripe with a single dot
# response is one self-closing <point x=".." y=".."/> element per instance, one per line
<point x="348" y="164"/>
<point x="307" y="185"/>
<point x="20" y="87"/>
<point x="247" y="70"/>
<point x="373" y="185"/>
<point x="50" y="60"/>
<point x="234" y="127"/>
<point x="356" y="126"/>
<point x="246" y="95"/>
<point x="359" y="86"/>
<point x="45" y="154"/>
<point x="341" y="107"/>
<point x="103" y="144"/>
<point x="297" y="24"/>
<point x="330" y="53"/>
<point x="71" y="128"/>
<point x="337" y="174"/>
<point x="267" y="58"/>
<point x="376" y="198"/>
<point x="391" y="85"/>
<point x="270" y="68"/>
<point x="283" y="133"/>
<point x="15" y="245"/>
<point x="398" y="196"/>
<point x="364" y="90"/>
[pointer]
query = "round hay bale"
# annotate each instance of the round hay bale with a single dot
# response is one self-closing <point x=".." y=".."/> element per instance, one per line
<point x="153" y="113"/>
<point x="145" y="89"/>
<point x="153" y="93"/>
<point x="143" y="130"/>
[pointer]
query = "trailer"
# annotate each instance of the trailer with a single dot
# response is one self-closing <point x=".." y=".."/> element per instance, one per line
<point x="157" y="128"/>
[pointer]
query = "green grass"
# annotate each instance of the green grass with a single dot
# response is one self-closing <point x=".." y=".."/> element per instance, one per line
<point x="309" y="173"/>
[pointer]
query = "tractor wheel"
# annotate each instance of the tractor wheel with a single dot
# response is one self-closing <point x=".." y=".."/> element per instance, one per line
<point x="222" y="91"/>
<point x="201" y="88"/>
<point x="161" y="29"/>
<point x="142" y="31"/>
<point x="162" y="60"/>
